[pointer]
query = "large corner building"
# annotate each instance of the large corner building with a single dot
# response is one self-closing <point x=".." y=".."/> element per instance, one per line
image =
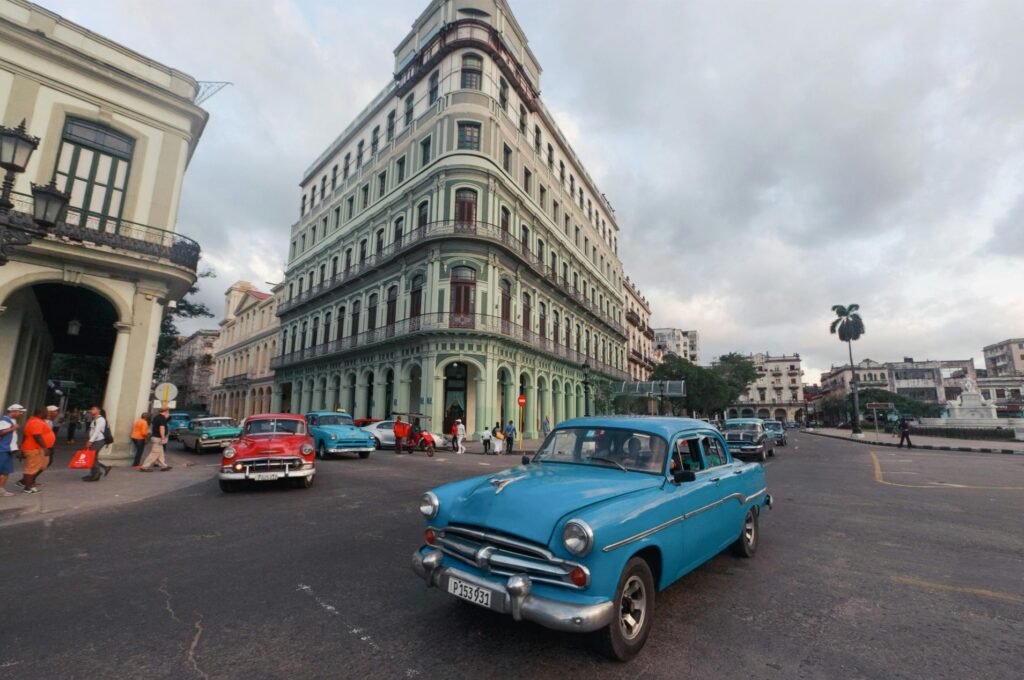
<point x="452" y="252"/>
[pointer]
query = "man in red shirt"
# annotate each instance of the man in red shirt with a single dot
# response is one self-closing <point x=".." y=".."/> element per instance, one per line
<point x="401" y="432"/>
<point x="39" y="439"/>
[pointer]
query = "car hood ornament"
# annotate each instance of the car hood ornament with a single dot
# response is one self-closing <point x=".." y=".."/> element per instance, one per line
<point x="499" y="484"/>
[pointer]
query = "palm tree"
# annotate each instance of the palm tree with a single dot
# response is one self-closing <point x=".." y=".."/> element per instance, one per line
<point x="850" y="327"/>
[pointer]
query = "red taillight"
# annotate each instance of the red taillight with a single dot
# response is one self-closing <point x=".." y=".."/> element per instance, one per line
<point x="429" y="536"/>
<point x="578" y="577"/>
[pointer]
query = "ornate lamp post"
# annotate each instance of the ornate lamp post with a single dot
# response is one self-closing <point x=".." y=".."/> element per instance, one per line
<point x="586" y="389"/>
<point x="50" y="204"/>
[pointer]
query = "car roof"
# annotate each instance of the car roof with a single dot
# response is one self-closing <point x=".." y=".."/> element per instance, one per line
<point x="328" y="413"/>
<point x="280" y="416"/>
<point x="199" y="420"/>
<point x="745" y="420"/>
<point x="663" y="426"/>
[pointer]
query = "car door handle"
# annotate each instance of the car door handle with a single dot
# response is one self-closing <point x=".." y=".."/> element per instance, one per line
<point x="716" y="480"/>
<point x="737" y="472"/>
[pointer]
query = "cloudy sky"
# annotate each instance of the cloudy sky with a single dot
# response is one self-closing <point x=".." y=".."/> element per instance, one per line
<point x="766" y="159"/>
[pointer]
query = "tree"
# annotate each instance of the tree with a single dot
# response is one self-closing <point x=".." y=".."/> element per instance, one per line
<point x="706" y="391"/>
<point x="737" y="371"/>
<point x="849" y="326"/>
<point x="169" y="333"/>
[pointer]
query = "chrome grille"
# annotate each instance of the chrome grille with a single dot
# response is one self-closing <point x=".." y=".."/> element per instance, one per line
<point x="271" y="464"/>
<point x="506" y="556"/>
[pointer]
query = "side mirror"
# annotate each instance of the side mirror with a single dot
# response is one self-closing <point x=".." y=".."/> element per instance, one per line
<point x="525" y="460"/>
<point x="681" y="476"/>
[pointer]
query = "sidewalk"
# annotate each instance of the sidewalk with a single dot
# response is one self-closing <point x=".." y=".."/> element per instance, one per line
<point x="62" y="490"/>
<point x="529" y="446"/>
<point x="920" y="442"/>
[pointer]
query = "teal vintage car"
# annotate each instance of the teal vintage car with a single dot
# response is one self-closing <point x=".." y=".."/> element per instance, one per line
<point x="581" y="538"/>
<point x="202" y="434"/>
<point x="335" y="433"/>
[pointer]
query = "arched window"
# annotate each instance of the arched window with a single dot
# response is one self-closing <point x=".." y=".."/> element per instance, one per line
<point x="506" y="305"/>
<point x="465" y="208"/>
<point x="463" y="285"/>
<point x="327" y="327"/>
<point x="527" y="312"/>
<point x="371" y="312"/>
<point x="554" y="325"/>
<point x="472" y="72"/>
<point x="355" y="318"/>
<point x="399" y="230"/>
<point x="542" y="319"/>
<point x="391" y="310"/>
<point x="416" y="296"/>
<point x="334" y="177"/>
<point x="506" y="219"/>
<point x="422" y="214"/>
<point x="334" y="267"/>
<point x="340" y="331"/>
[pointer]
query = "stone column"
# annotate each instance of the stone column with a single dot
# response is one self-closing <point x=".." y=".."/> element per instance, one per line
<point x="530" y="417"/>
<point x="275" y="399"/>
<point x="332" y="394"/>
<point x="307" y="396"/>
<point x="361" y="407"/>
<point x="112" y="397"/>
<point x="480" y="413"/>
<point x="380" y="385"/>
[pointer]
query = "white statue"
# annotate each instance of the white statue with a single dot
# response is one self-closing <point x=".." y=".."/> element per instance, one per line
<point x="966" y="385"/>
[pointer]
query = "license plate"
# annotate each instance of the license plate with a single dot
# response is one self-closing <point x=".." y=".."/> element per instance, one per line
<point x="263" y="476"/>
<point x="470" y="592"/>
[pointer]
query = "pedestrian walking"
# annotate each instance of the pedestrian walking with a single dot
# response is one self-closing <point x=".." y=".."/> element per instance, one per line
<point x="99" y="437"/>
<point x="460" y="436"/>
<point x="401" y="432"/>
<point x="485" y="439"/>
<point x="9" y="444"/>
<point x="545" y="427"/>
<point x="140" y="433"/>
<point x="72" y="421"/>
<point x="157" y="442"/>
<point x="53" y="419"/>
<point x="904" y="434"/>
<point x="510" y="437"/>
<point x="38" y="438"/>
<point x="499" y="437"/>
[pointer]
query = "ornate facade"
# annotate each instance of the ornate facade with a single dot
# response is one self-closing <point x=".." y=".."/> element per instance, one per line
<point x="778" y="392"/>
<point x="243" y="381"/>
<point x="452" y="251"/>
<point x="641" y="335"/>
<point x="191" y="369"/>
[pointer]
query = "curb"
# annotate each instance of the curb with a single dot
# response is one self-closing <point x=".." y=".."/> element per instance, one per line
<point x="927" y="447"/>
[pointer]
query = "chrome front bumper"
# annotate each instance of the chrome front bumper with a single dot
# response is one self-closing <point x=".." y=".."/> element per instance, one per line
<point x="280" y="474"/>
<point x="515" y="598"/>
<point x="362" y="449"/>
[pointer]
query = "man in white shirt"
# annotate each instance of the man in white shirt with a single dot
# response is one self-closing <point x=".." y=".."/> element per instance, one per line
<point x="460" y="434"/>
<point x="9" y="444"/>
<point x="96" y="441"/>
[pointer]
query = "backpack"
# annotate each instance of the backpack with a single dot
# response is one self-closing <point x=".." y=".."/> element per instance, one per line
<point x="108" y="438"/>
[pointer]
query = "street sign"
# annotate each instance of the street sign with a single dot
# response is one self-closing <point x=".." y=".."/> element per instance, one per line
<point x="522" y="400"/>
<point x="880" y="406"/>
<point x="160" y="404"/>
<point x="165" y="392"/>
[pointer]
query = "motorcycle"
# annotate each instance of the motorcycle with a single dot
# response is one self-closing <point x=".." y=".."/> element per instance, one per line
<point x="422" y="439"/>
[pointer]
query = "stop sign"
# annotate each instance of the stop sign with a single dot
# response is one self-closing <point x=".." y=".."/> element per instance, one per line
<point x="522" y="400"/>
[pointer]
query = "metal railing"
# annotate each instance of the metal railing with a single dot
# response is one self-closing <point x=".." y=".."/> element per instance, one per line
<point x="445" y="229"/>
<point x="83" y="226"/>
<point x="237" y="379"/>
<point x="445" y="322"/>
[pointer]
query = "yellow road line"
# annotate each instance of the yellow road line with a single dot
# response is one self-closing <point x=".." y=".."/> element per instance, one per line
<point x="934" y="485"/>
<point x="981" y="592"/>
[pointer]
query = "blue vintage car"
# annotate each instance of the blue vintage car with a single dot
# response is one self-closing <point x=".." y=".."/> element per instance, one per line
<point x="333" y="433"/>
<point x="609" y="511"/>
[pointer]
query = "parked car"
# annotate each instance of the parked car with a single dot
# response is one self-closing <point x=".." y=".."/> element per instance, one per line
<point x="792" y="425"/>
<point x="610" y="511"/>
<point x="382" y="432"/>
<point x="273" y="446"/>
<point x="208" y="433"/>
<point x="747" y="438"/>
<point x="334" y="433"/>
<point x="363" y="422"/>
<point x="176" y="421"/>
<point x="777" y="431"/>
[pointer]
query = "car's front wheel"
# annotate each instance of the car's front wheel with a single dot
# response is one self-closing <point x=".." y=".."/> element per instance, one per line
<point x="303" y="482"/>
<point x="364" y="454"/>
<point x="376" y="443"/>
<point x="626" y="635"/>
<point x="321" y="451"/>
<point x="746" y="544"/>
<point x="228" y="485"/>
<point x="763" y="455"/>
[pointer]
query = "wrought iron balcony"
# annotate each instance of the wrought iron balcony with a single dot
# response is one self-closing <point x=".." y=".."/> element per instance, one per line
<point x="441" y="322"/>
<point x="632" y="317"/>
<point x="237" y="379"/>
<point x="84" y="227"/>
<point x="442" y="230"/>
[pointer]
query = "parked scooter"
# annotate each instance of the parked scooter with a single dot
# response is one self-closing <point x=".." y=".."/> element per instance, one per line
<point x="420" y="439"/>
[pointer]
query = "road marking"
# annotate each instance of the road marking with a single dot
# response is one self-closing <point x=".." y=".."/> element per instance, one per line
<point x="981" y="592"/>
<point x="933" y="485"/>
<point x="484" y="464"/>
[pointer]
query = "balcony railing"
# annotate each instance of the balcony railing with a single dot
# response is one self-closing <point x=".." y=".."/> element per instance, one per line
<point x="237" y="379"/>
<point x="82" y="226"/>
<point x="632" y="317"/>
<point x="444" y="322"/>
<point x="448" y="229"/>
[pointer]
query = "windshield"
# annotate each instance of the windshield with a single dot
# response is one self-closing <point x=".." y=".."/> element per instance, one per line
<point x="217" y="422"/>
<point x="605" y="447"/>
<point x="179" y="418"/>
<point x="339" y="419"/>
<point x="274" y="426"/>
<point x="740" y="427"/>
<point x="773" y="425"/>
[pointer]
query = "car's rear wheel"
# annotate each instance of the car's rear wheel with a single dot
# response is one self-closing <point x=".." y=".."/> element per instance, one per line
<point x="746" y="544"/>
<point x="364" y="454"/>
<point x="625" y="636"/>
<point x="228" y="485"/>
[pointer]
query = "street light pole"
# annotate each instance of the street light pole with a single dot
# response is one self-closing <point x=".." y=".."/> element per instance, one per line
<point x="586" y="389"/>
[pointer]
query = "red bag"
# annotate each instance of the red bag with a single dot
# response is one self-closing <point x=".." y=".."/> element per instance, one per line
<point x="83" y="459"/>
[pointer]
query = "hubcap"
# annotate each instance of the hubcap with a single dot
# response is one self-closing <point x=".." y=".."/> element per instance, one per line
<point x="632" y="608"/>
<point x="749" y="531"/>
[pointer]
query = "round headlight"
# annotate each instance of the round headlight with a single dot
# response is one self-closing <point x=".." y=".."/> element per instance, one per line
<point x="229" y="452"/>
<point x="307" y="450"/>
<point x="429" y="505"/>
<point x="333" y="437"/>
<point x="205" y="436"/>
<point x="578" y="537"/>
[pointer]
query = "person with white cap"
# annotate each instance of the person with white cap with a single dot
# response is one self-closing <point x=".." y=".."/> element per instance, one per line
<point x="54" y="421"/>
<point x="8" y="444"/>
<point x="460" y="435"/>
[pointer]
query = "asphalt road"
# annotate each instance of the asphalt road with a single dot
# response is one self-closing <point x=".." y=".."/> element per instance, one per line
<point x="908" y="567"/>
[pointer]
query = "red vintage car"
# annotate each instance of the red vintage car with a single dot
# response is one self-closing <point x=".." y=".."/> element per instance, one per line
<point x="272" y="446"/>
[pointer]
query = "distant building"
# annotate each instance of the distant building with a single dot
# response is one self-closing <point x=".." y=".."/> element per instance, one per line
<point x="243" y="381"/>
<point x="869" y="374"/>
<point x="685" y="344"/>
<point x="1005" y="358"/>
<point x="191" y="368"/>
<point x="931" y="380"/>
<point x="778" y="391"/>
<point x="1005" y="391"/>
<point x="641" y="335"/>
